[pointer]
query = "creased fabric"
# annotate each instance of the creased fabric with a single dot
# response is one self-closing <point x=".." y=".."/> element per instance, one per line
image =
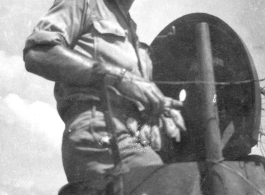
<point x="97" y="30"/>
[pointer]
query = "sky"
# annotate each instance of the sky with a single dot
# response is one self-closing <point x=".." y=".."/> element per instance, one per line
<point x="31" y="130"/>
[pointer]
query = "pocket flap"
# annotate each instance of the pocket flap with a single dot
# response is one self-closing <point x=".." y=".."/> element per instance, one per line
<point x="108" y="27"/>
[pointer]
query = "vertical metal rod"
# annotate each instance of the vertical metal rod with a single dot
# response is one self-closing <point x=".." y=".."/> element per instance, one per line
<point x="209" y="99"/>
<point x="209" y="107"/>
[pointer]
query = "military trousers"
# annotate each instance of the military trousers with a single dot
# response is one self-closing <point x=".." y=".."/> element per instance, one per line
<point x="87" y="159"/>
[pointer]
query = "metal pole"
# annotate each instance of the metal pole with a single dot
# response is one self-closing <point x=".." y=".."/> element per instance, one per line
<point x="209" y="106"/>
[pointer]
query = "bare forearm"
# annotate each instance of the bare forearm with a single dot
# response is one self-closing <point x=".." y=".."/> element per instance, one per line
<point x="59" y="64"/>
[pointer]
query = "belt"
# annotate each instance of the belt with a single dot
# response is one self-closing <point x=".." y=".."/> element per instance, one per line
<point x="125" y="109"/>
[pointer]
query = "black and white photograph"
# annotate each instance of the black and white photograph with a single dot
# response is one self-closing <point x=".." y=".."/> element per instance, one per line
<point x="132" y="97"/>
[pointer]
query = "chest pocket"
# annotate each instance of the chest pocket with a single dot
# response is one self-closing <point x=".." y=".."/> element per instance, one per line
<point x="112" y="45"/>
<point x="108" y="28"/>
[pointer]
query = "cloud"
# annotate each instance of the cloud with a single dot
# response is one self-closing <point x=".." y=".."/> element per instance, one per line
<point x="39" y="117"/>
<point x="15" y="79"/>
<point x="159" y="14"/>
<point x="30" y="140"/>
<point x="17" y="19"/>
<point x="31" y="131"/>
<point x="25" y="184"/>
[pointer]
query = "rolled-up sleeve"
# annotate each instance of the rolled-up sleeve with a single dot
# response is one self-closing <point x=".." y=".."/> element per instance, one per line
<point x="62" y="25"/>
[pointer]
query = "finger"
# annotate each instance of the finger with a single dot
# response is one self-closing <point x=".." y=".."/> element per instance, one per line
<point x="178" y="136"/>
<point x="133" y="91"/>
<point x="156" y="102"/>
<point x="176" y="104"/>
<point x="118" y="97"/>
<point x="153" y="102"/>
<point x="170" y="127"/>
<point x="140" y="95"/>
<point x="156" y="143"/>
<point x="132" y="125"/>
<point x="144" y="135"/>
<point x="157" y="106"/>
<point x="172" y="103"/>
<point x="178" y="119"/>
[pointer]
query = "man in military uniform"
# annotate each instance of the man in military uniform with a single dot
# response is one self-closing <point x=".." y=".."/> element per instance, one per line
<point x="82" y="44"/>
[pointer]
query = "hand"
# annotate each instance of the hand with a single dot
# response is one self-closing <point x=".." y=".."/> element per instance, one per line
<point x="147" y="93"/>
<point x="148" y="133"/>
<point x="170" y="121"/>
<point x="173" y="123"/>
